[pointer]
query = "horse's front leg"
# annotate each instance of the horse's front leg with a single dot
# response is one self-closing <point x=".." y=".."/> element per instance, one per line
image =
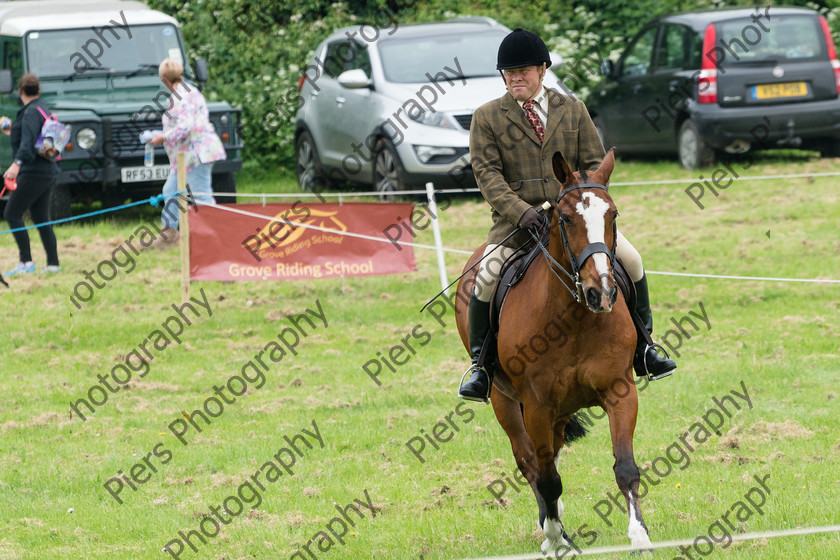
<point x="622" y="414"/>
<point x="509" y="415"/>
<point x="540" y="423"/>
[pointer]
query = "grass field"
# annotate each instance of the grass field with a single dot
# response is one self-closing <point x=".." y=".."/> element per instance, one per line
<point x="777" y="340"/>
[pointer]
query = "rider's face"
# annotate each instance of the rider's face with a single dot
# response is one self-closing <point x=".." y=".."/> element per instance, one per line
<point x="524" y="83"/>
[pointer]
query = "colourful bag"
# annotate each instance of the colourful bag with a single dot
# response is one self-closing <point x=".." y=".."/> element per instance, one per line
<point x="54" y="136"/>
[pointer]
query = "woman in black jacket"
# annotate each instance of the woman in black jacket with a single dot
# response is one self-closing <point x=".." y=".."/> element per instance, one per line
<point x="35" y="177"/>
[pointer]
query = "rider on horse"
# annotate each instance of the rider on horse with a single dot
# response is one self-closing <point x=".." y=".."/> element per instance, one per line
<point x="512" y="141"/>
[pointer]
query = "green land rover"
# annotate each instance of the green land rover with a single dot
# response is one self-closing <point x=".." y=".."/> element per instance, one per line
<point x="98" y="66"/>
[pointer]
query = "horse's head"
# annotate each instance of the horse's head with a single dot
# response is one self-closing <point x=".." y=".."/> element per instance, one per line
<point x="584" y="226"/>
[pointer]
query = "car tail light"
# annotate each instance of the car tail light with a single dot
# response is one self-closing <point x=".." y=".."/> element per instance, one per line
<point x="707" y="81"/>
<point x="300" y="83"/>
<point x="832" y="52"/>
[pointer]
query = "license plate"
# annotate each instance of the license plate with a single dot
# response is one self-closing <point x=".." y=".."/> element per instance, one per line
<point x="774" y="91"/>
<point x="140" y="174"/>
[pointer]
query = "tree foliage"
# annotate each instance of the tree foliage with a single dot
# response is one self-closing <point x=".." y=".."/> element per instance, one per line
<point x="257" y="49"/>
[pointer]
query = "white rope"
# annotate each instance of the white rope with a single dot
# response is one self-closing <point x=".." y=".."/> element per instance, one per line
<point x="812" y="280"/>
<point x="460" y="252"/>
<point x="669" y="544"/>
<point x="476" y="189"/>
<point x="754" y="177"/>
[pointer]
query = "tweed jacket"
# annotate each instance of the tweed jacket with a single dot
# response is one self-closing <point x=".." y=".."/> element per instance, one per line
<point x="512" y="169"/>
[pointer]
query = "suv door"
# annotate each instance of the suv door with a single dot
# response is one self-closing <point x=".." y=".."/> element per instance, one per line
<point x="670" y="84"/>
<point x="344" y="113"/>
<point x="624" y="99"/>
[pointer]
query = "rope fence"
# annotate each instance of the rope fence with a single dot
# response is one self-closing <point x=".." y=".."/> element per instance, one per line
<point x="431" y="193"/>
<point x="669" y="544"/>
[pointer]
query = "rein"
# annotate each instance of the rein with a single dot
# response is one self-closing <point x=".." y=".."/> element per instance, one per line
<point x="575" y="262"/>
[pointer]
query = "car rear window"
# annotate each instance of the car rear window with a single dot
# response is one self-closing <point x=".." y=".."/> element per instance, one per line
<point x="407" y="61"/>
<point x="779" y="39"/>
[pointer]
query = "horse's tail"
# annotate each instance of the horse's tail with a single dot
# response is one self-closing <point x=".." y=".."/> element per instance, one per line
<point x="574" y="429"/>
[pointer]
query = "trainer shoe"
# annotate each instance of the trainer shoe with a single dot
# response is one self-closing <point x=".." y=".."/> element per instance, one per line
<point x="22" y="268"/>
<point x="52" y="269"/>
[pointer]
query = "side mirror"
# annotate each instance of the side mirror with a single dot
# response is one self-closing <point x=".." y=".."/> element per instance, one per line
<point x="607" y="68"/>
<point x="201" y="70"/>
<point x="354" y="79"/>
<point x="6" y="82"/>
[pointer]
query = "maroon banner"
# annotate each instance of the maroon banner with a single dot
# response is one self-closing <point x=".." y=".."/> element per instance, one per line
<point x="231" y="246"/>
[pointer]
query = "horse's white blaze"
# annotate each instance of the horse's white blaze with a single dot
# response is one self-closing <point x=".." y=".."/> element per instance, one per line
<point x="638" y="536"/>
<point x="593" y="209"/>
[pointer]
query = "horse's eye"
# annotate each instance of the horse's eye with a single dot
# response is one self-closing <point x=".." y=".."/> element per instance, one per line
<point x="566" y="220"/>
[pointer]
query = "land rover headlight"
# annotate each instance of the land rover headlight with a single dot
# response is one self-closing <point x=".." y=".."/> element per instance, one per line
<point x="86" y="138"/>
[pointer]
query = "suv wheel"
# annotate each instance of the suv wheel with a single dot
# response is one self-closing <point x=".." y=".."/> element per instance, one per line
<point x="388" y="172"/>
<point x="830" y="148"/>
<point x="310" y="173"/>
<point x="692" y="148"/>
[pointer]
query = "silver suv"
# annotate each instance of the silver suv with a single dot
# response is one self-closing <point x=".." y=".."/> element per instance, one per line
<point x="393" y="109"/>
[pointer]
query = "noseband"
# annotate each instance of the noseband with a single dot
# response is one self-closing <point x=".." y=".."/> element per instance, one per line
<point x="578" y="261"/>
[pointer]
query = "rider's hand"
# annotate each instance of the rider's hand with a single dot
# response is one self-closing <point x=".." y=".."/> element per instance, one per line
<point x="531" y="218"/>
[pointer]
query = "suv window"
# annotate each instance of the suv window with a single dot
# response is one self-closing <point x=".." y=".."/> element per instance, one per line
<point x="790" y="38"/>
<point x="673" y="48"/>
<point x="409" y="60"/>
<point x="637" y="60"/>
<point x="346" y="55"/>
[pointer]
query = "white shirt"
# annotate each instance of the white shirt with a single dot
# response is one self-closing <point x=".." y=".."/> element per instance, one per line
<point x="540" y="105"/>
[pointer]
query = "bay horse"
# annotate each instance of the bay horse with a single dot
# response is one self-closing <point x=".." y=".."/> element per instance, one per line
<point x="576" y="367"/>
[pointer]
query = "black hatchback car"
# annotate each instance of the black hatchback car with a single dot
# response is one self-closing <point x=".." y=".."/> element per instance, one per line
<point x="699" y="83"/>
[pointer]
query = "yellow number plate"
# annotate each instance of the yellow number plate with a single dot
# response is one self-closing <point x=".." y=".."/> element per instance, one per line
<point x="772" y="91"/>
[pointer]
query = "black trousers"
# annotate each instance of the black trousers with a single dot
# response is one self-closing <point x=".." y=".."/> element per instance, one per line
<point x="33" y="193"/>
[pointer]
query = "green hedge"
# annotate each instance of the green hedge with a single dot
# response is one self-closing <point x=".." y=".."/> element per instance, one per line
<point x="257" y="49"/>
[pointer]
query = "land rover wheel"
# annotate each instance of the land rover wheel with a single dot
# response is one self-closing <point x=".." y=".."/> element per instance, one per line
<point x="60" y="200"/>
<point x="225" y="183"/>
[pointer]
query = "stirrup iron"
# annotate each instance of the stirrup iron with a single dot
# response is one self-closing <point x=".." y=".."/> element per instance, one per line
<point x="658" y="348"/>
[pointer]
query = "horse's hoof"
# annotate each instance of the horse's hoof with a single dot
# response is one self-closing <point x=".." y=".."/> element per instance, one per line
<point x="549" y="547"/>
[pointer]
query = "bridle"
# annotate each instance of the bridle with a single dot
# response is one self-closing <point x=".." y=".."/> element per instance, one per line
<point x="578" y="261"/>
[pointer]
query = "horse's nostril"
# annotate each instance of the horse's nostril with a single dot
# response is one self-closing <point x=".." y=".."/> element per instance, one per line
<point x="613" y="295"/>
<point x="592" y="297"/>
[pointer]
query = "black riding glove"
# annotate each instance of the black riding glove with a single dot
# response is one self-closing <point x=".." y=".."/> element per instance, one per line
<point x="531" y="218"/>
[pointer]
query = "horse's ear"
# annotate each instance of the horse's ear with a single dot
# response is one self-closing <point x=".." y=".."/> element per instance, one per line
<point x="602" y="174"/>
<point x="561" y="169"/>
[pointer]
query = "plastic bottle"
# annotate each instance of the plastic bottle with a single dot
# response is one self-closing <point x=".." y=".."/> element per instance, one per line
<point x="149" y="157"/>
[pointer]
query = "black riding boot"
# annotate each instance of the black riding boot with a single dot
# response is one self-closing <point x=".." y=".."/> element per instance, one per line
<point x="647" y="361"/>
<point x="477" y="388"/>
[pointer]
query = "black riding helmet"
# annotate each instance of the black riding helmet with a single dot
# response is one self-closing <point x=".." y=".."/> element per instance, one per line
<point x="522" y="48"/>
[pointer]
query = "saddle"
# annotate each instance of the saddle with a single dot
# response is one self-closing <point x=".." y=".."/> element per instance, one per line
<point x="514" y="269"/>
